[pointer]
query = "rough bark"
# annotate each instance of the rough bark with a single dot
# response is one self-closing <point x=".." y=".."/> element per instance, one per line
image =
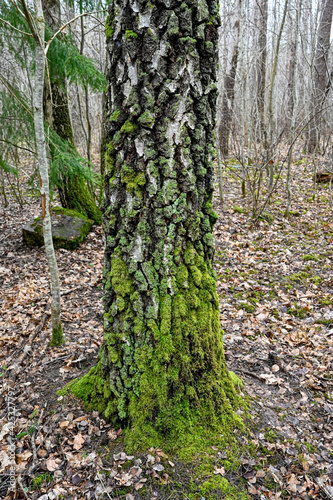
<point x="57" y="335"/>
<point x="229" y="92"/>
<point x="321" y="72"/>
<point x="294" y="27"/>
<point x="262" y="47"/>
<point x="161" y="369"/>
<point x="73" y="192"/>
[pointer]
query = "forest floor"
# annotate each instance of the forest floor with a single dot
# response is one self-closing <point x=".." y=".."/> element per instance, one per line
<point x="275" y="288"/>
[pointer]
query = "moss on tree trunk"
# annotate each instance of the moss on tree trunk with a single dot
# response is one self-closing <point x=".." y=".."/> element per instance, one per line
<point x="161" y="370"/>
<point x="73" y="191"/>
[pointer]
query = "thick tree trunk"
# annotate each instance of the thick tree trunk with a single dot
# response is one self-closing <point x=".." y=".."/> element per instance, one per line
<point x="74" y="193"/>
<point x="161" y="370"/>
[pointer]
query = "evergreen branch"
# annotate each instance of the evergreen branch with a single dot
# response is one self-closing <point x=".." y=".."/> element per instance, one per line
<point x="16" y="29"/>
<point x="17" y="8"/>
<point x="66" y="24"/>
<point x="3" y="81"/>
<point x="17" y="146"/>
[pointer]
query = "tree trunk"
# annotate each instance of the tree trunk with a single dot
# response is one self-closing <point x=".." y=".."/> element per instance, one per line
<point x="161" y="371"/>
<point x="321" y="72"/>
<point x="270" y="117"/>
<point x="229" y="91"/>
<point x="294" y="28"/>
<point x="262" y="46"/>
<point x="74" y="193"/>
<point x="57" y="334"/>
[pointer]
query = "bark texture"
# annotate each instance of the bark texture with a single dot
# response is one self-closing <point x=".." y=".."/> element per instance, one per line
<point x="161" y="369"/>
<point x="229" y="92"/>
<point x="262" y="47"/>
<point x="321" y="72"/>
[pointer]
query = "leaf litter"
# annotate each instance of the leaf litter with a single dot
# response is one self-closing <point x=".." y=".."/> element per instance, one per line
<point x="276" y="308"/>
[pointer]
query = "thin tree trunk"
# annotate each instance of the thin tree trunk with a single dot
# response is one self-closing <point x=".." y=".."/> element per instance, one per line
<point x="269" y="123"/>
<point x="57" y="334"/>
<point x="220" y="171"/>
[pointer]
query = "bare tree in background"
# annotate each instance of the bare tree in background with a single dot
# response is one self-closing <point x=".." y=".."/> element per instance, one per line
<point x="321" y="72"/>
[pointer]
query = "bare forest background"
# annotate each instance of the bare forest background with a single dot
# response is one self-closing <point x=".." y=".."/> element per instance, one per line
<point x="275" y="69"/>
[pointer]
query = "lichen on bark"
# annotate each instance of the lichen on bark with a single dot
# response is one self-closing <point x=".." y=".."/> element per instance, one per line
<point x="161" y="370"/>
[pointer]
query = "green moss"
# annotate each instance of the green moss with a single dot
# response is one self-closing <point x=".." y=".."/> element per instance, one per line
<point x="129" y="34"/>
<point x="109" y="31"/>
<point x="270" y="435"/>
<point x="129" y="128"/>
<point x="79" y="198"/>
<point x="209" y="47"/>
<point x="115" y="115"/>
<point x="57" y="337"/>
<point x="198" y="410"/>
<point x="248" y="308"/>
<point x="316" y="280"/>
<point x="237" y="382"/>
<point x="325" y="302"/>
<point x="40" y="479"/>
<point x="300" y="277"/>
<point x="310" y="257"/>
<point x="147" y="119"/>
<point x="63" y="235"/>
<point x="298" y="312"/>
<point x="215" y="483"/>
<point x="134" y="181"/>
<point x="239" y="210"/>
<point x="67" y="211"/>
<point x="267" y="216"/>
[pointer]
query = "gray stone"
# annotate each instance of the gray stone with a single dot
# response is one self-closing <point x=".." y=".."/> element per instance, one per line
<point x="69" y="229"/>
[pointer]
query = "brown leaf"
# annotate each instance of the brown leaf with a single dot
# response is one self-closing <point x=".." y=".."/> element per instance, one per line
<point x="112" y="434"/>
<point x="51" y="464"/>
<point x="219" y="471"/>
<point x="78" y="441"/>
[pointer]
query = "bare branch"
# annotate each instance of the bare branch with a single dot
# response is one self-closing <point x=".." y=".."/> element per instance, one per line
<point x="66" y="24"/>
<point x="16" y="29"/>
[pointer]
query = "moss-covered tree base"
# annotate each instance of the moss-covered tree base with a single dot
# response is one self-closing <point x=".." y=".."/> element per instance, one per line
<point x="161" y="372"/>
<point x="75" y="195"/>
<point x="57" y="337"/>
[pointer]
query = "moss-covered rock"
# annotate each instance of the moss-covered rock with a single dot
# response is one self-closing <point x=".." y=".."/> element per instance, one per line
<point x="69" y="229"/>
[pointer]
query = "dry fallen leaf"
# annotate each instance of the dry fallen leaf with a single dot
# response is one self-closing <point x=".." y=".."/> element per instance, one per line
<point x="23" y="457"/>
<point x="51" y="464"/>
<point x="112" y="434"/>
<point x="219" y="471"/>
<point x="78" y="441"/>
